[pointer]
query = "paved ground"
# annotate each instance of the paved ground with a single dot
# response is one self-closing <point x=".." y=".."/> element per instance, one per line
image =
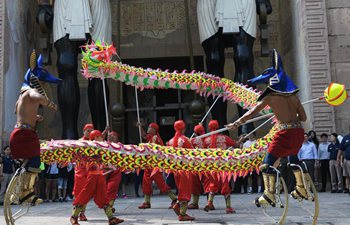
<point x="334" y="210"/>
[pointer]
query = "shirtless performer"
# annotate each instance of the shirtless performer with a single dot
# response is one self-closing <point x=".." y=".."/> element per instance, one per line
<point x="24" y="141"/>
<point x="280" y="95"/>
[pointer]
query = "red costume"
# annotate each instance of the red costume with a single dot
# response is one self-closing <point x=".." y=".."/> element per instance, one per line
<point x="183" y="180"/>
<point x="24" y="143"/>
<point x="150" y="175"/>
<point x="95" y="187"/>
<point x="198" y="142"/>
<point x="79" y="179"/>
<point x="158" y="176"/>
<point x="213" y="183"/>
<point x="286" y="142"/>
<point x="196" y="182"/>
<point x="113" y="182"/>
<point x="80" y="174"/>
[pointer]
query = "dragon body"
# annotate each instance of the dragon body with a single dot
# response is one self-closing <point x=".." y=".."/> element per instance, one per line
<point x="97" y="63"/>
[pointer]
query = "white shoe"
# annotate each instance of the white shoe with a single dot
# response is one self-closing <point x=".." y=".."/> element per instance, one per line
<point x="259" y="189"/>
<point x="250" y="190"/>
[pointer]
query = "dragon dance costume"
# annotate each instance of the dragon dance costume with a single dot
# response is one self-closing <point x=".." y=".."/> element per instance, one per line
<point x="213" y="183"/>
<point x="196" y="182"/>
<point x="95" y="187"/>
<point x="183" y="180"/>
<point x="80" y="175"/>
<point x="154" y="175"/>
<point x="288" y="140"/>
<point x="24" y="141"/>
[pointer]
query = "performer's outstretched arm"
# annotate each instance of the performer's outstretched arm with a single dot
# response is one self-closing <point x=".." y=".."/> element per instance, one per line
<point x="301" y="112"/>
<point x="249" y="115"/>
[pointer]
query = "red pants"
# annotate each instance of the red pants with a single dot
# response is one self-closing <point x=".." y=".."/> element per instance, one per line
<point x="79" y="180"/>
<point x="113" y="182"/>
<point x="286" y="142"/>
<point x="95" y="187"/>
<point x="196" y="185"/>
<point x="213" y="184"/>
<point x="184" y="185"/>
<point x="24" y="143"/>
<point x="147" y="182"/>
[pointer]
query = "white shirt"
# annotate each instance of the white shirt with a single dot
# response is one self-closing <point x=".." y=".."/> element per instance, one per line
<point x="228" y="14"/>
<point x="308" y="151"/>
<point x="323" y="150"/>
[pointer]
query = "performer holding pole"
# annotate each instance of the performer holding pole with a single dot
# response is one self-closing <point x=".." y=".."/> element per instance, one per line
<point x="24" y="141"/>
<point x="183" y="180"/>
<point x="152" y="136"/>
<point x="280" y="95"/>
<point x="196" y="182"/>
<point x="212" y="184"/>
<point x="95" y="187"/>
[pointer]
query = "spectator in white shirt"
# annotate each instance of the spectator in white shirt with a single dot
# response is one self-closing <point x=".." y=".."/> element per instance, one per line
<point x="323" y="157"/>
<point x="308" y="154"/>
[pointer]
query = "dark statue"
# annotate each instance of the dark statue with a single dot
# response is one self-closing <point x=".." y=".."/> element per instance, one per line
<point x="73" y="27"/>
<point x="225" y="24"/>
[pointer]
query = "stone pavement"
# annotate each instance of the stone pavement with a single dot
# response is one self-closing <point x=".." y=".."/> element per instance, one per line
<point x="334" y="210"/>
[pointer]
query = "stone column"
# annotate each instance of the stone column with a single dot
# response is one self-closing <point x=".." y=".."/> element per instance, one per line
<point x="311" y="55"/>
<point x="2" y="93"/>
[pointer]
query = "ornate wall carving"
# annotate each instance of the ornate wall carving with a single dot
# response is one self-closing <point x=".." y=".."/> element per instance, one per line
<point x="317" y="52"/>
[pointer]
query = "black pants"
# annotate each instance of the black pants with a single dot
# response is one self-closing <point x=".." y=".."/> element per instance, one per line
<point x="310" y="164"/>
<point x="324" y="172"/>
<point x="138" y="181"/>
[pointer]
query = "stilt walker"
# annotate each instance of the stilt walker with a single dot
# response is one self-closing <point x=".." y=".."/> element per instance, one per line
<point x="24" y="141"/>
<point x="214" y="183"/>
<point x="152" y="136"/>
<point x="183" y="180"/>
<point x="280" y="95"/>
